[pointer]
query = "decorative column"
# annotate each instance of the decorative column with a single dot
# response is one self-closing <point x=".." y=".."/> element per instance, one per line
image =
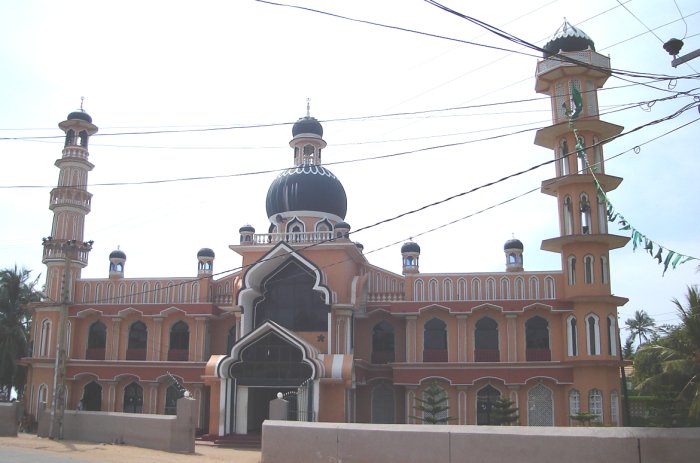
<point x="462" y="338"/>
<point x="411" y="339"/>
<point x="512" y="337"/>
<point x="113" y="353"/>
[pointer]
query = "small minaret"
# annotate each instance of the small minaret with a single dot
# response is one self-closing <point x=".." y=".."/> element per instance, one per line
<point x="308" y="140"/>
<point x="514" y="255"/>
<point x="65" y="251"/>
<point x="205" y="260"/>
<point x="246" y="232"/>
<point x="117" y="259"/>
<point x="410" y="254"/>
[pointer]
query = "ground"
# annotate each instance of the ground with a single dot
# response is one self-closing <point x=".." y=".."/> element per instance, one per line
<point x="108" y="453"/>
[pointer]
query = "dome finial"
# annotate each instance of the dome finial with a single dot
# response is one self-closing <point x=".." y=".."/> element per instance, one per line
<point x="308" y="107"/>
<point x="82" y="98"/>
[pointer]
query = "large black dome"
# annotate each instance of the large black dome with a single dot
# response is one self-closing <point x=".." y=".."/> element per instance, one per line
<point x="307" y="188"/>
<point x="568" y="38"/>
<point x="307" y="124"/>
<point x="82" y="115"/>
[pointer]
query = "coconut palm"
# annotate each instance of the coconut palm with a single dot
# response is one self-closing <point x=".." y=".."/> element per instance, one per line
<point x="641" y="326"/>
<point x="678" y="354"/>
<point x="16" y="290"/>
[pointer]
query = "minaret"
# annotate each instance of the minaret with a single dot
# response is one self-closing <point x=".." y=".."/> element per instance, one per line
<point x="65" y="251"/>
<point x="410" y="255"/>
<point x="584" y="242"/>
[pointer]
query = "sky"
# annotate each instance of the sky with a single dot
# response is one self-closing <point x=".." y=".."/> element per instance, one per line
<point x="442" y="116"/>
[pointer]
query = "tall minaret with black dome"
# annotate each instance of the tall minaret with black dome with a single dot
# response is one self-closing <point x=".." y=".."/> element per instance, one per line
<point x="65" y="250"/>
<point x="571" y="73"/>
<point x="306" y="197"/>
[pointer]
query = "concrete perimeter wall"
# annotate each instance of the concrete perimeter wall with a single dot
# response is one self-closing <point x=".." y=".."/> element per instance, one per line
<point x="161" y="432"/>
<point x="295" y="442"/>
<point x="9" y="418"/>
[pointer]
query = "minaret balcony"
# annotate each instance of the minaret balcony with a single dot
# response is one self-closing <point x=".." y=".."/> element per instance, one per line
<point x="554" y="68"/>
<point x="548" y="137"/>
<point x="66" y="196"/>
<point x="289" y="238"/>
<point x="75" y="152"/>
<point x="607" y="182"/>
<point x="57" y="250"/>
<point x="611" y="241"/>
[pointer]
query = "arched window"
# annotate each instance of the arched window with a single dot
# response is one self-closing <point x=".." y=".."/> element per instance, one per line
<point x="433" y="291"/>
<point x="563" y="157"/>
<point x="593" y="334"/>
<point x="383" y="342"/>
<point x="519" y="288"/>
<point x="179" y="342"/>
<point x="534" y="284"/>
<point x="133" y="398"/>
<point x="98" y="293"/>
<point x="146" y="293"/>
<point x="486" y="341"/>
<point x="194" y="295"/>
<point x="447" y="290"/>
<point x="549" y="292"/>
<point x="383" y="404"/>
<point x="571" y="337"/>
<point x="612" y="337"/>
<point x="580" y="156"/>
<point x="132" y="293"/>
<point x="172" y="394"/>
<point x="571" y="270"/>
<point x="83" y="138"/>
<point x="435" y="341"/>
<point x="585" y="209"/>
<point x="70" y="137"/>
<point x="295" y="228"/>
<point x="588" y="269"/>
<point x="540" y="406"/>
<point x="97" y="340"/>
<point x="109" y="297"/>
<point x="324" y="227"/>
<point x="86" y="293"/>
<point x="595" y="404"/>
<point x="418" y="291"/>
<point x="614" y="408"/>
<point x="476" y="290"/>
<point x="461" y="289"/>
<point x="92" y="397"/>
<point x="138" y="340"/>
<point x="157" y="293"/>
<point x="574" y="402"/>
<point x="505" y="288"/>
<point x="486" y="397"/>
<point x="568" y="216"/>
<point x="490" y="289"/>
<point x="602" y="209"/>
<point x="45" y="339"/>
<point x="41" y="396"/>
<point x="121" y="293"/>
<point x="537" y="340"/>
<point x="597" y="166"/>
<point x="438" y="395"/>
<point x="604" y="270"/>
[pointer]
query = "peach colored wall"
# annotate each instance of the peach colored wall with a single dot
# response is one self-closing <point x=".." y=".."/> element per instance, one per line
<point x="332" y="396"/>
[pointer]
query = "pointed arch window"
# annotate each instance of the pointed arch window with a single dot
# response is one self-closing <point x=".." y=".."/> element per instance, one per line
<point x="585" y="209"/>
<point x="612" y="337"/>
<point x="540" y="406"/>
<point x="537" y="340"/>
<point x="571" y="336"/>
<point x="138" y="341"/>
<point x="593" y="334"/>
<point x="146" y="293"/>
<point x="172" y="394"/>
<point x="98" y="293"/>
<point x="383" y="342"/>
<point x="581" y="156"/>
<point x="418" y="291"/>
<point x="440" y="397"/>
<point x="179" y="342"/>
<point x="476" y="289"/>
<point x="574" y="402"/>
<point x="433" y="294"/>
<point x="604" y="274"/>
<point x="602" y="209"/>
<point x="97" y="340"/>
<point x="486" y="398"/>
<point x="92" y="397"/>
<point x="490" y="289"/>
<point x="568" y="216"/>
<point x="45" y="339"/>
<point x="563" y="157"/>
<point x="534" y="284"/>
<point x="86" y="293"/>
<point x="194" y="294"/>
<point x="597" y="165"/>
<point x="588" y="269"/>
<point x="519" y="289"/>
<point x="132" y="293"/>
<point x="435" y="341"/>
<point x="486" y="347"/>
<point x="614" y="408"/>
<point x="462" y="290"/>
<point x="447" y="290"/>
<point x="133" y="398"/>
<point x="505" y="288"/>
<point x="549" y="288"/>
<point x="294" y="230"/>
<point x="571" y="270"/>
<point x="595" y="404"/>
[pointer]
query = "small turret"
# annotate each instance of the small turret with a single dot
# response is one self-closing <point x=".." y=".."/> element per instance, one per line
<point x="514" y="255"/>
<point x="410" y="254"/>
<point x="117" y="259"/>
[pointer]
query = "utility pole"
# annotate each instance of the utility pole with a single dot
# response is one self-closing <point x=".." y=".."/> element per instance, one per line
<point x="71" y="250"/>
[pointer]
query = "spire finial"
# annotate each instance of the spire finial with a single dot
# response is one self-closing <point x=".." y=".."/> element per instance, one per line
<point x="308" y="107"/>
<point x="82" y="98"/>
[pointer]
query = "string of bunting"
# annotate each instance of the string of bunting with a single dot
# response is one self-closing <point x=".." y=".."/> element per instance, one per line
<point x="670" y="258"/>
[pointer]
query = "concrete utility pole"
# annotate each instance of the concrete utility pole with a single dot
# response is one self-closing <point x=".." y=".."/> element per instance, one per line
<point x="71" y="250"/>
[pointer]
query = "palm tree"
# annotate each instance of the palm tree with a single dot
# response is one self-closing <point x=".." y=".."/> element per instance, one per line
<point x="678" y="356"/>
<point x="641" y="326"/>
<point x="16" y="290"/>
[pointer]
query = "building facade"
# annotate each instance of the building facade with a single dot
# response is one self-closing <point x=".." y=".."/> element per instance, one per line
<point x="310" y="317"/>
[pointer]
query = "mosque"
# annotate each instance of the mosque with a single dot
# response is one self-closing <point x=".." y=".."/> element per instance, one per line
<point x="310" y="317"/>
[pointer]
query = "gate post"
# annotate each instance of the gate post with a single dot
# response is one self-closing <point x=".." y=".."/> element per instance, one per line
<point x="279" y="408"/>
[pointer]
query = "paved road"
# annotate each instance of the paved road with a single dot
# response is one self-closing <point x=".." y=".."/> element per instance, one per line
<point x="17" y="455"/>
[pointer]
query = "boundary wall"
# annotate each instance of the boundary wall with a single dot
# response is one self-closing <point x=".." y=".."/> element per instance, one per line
<point x="9" y="419"/>
<point x="297" y="442"/>
<point x="172" y="433"/>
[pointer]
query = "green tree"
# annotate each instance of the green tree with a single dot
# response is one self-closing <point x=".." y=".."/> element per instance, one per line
<point x="16" y="290"/>
<point x="641" y="326"/>
<point x="504" y="412"/>
<point x="670" y="365"/>
<point x="433" y="406"/>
